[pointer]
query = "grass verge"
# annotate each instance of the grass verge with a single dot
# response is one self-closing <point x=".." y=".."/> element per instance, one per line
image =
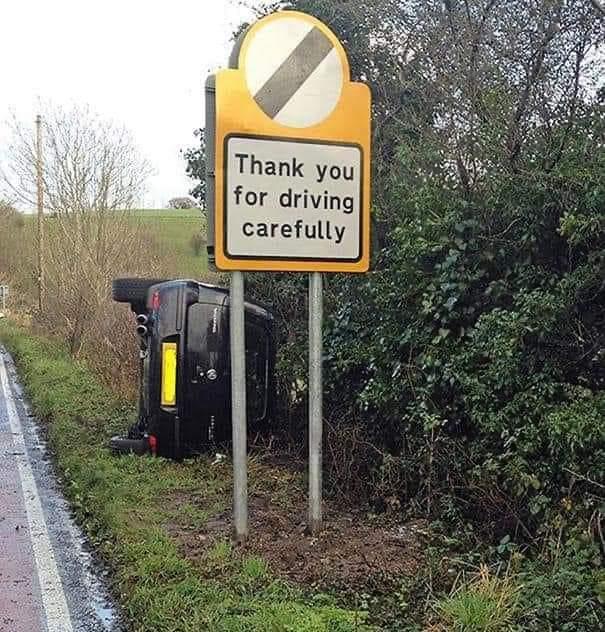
<point x="125" y="504"/>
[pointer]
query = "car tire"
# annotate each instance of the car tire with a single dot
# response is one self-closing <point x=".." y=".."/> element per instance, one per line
<point x="123" y="445"/>
<point x="133" y="291"/>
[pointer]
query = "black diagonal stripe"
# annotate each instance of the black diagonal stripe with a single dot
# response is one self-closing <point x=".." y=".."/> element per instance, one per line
<point x="295" y="70"/>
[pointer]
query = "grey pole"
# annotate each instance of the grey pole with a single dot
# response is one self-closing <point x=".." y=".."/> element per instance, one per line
<point x="315" y="400"/>
<point x="40" y="201"/>
<point x="238" y="408"/>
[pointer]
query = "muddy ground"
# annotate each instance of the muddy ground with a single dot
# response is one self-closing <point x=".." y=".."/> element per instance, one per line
<point x="355" y="549"/>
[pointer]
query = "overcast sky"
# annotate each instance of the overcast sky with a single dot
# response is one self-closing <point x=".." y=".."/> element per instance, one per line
<point x="140" y="63"/>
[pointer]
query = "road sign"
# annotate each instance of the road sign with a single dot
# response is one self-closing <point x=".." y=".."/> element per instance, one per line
<point x="292" y="153"/>
<point x="288" y="189"/>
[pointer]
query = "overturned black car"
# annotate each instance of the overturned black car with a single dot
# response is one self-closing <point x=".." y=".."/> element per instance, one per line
<point x="185" y="380"/>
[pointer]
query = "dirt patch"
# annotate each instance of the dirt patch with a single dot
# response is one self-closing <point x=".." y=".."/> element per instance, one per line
<point x="353" y="550"/>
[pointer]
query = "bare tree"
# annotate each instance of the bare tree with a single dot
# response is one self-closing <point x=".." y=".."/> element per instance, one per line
<point x="90" y="164"/>
<point x="92" y="175"/>
<point x="83" y="253"/>
<point x="487" y="86"/>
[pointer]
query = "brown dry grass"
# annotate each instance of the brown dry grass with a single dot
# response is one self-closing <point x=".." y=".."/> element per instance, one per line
<point x="83" y="254"/>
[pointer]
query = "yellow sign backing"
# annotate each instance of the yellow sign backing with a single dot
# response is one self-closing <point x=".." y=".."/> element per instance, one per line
<point x="292" y="153"/>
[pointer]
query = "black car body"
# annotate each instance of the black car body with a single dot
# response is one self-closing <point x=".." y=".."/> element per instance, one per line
<point x="185" y="387"/>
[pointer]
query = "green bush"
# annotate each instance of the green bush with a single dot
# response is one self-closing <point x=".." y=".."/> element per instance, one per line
<point x="482" y="365"/>
<point x="562" y="595"/>
<point x="465" y="374"/>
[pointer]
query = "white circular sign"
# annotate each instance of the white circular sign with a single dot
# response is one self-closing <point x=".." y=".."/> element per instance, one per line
<point x="293" y="71"/>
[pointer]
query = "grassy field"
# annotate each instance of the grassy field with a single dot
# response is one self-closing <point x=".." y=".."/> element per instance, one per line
<point x="172" y="231"/>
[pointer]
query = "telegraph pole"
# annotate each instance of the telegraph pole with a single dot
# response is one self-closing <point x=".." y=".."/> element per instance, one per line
<point x="40" y="190"/>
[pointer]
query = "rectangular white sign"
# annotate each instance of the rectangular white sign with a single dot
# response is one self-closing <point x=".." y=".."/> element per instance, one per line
<point x="292" y="199"/>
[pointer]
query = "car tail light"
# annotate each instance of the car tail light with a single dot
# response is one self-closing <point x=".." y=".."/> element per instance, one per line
<point x="153" y="444"/>
<point x="155" y="301"/>
<point x="169" y="362"/>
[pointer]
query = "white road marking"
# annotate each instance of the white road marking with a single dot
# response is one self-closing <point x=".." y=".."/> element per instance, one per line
<point x="53" y="596"/>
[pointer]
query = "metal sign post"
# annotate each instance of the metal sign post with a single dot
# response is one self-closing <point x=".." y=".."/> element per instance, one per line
<point x="315" y="400"/>
<point x="238" y="408"/>
<point x="289" y="173"/>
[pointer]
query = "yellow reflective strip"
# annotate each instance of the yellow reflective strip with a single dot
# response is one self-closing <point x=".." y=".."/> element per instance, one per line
<point x="169" y="374"/>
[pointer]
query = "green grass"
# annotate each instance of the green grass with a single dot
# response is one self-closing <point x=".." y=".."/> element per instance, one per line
<point x="126" y="505"/>
<point x="487" y="603"/>
<point x="172" y="231"/>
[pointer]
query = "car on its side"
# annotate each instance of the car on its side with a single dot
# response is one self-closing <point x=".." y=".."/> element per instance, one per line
<point x="185" y="368"/>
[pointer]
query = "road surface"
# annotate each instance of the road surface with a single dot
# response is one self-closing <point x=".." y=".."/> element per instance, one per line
<point x="49" y="581"/>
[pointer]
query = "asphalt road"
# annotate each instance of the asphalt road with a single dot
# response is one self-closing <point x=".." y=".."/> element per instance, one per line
<point x="49" y="580"/>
